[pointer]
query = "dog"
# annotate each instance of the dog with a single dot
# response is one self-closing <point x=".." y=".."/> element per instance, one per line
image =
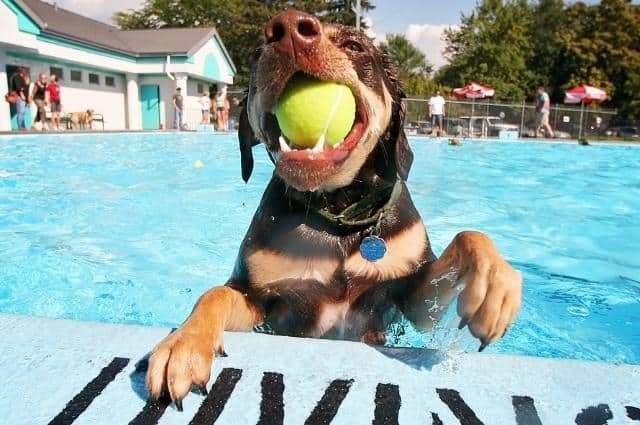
<point x="81" y="120"/>
<point x="336" y="248"/>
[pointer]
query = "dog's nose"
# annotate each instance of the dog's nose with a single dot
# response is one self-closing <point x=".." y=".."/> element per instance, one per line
<point x="293" y="31"/>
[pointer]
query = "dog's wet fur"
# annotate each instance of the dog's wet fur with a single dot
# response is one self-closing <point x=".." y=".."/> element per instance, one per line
<point x="299" y="273"/>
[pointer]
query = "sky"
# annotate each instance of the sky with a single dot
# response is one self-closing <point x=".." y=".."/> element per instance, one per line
<point x="422" y="21"/>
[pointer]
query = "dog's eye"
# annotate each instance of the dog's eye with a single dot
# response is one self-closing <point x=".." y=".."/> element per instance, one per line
<point x="354" y="46"/>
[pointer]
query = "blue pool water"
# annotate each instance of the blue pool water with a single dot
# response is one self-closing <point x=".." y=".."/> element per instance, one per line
<point x="127" y="228"/>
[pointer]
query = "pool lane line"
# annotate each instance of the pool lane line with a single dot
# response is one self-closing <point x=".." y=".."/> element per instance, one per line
<point x="387" y="403"/>
<point x="328" y="406"/>
<point x="272" y="403"/>
<point x="85" y="397"/>
<point x="525" y="410"/>
<point x="458" y="407"/>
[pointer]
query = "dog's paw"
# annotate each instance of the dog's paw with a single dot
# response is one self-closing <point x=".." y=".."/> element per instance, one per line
<point x="181" y="360"/>
<point x="490" y="299"/>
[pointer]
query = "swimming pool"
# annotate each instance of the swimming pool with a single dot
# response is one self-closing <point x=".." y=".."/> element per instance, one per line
<point x="132" y="228"/>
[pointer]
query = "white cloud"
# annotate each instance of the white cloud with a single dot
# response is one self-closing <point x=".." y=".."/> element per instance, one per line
<point x="426" y="37"/>
<point x="101" y="10"/>
<point x="430" y="40"/>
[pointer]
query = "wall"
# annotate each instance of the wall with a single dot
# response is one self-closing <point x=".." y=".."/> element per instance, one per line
<point x="80" y="96"/>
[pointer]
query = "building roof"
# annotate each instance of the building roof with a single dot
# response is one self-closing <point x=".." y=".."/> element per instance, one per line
<point x="60" y="22"/>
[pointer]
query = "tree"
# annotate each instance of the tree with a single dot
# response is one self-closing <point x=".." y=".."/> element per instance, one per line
<point x="407" y="58"/>
<point x="601" y="47"/>
<point x="491" y="46"/>
<point x="239" y="23"/>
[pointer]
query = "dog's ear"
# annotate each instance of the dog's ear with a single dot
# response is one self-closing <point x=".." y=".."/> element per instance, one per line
<point x="247" y="140"/>
<point x="394" y="156"/>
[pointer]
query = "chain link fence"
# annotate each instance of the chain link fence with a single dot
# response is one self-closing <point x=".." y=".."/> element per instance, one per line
<point x="485" y="118"/>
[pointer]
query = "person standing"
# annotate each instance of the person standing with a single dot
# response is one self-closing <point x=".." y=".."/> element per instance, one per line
<point x="221" y="95"/>
<point x="436" y="113"/>
<point x="20" y="85"/>
<point x="543" y="107"/>
<point x="53" y="98"/>
<point x="178" y="107"/>
<point x="38" y="95"/>
<point x="205" y="107"/>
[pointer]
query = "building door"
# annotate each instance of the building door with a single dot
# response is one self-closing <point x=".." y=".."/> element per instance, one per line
<point x="150" y="103"/>
<point x="11" y="70"/>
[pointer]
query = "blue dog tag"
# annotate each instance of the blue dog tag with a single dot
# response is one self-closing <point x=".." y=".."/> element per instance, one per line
<point x="372" y="248"/>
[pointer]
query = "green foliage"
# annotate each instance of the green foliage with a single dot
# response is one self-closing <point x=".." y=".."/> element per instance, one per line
<point x="490" y="47"/>
<point x="407" y="58"/>
<point x="239" y="23"/>
<point x="517" y="45"/>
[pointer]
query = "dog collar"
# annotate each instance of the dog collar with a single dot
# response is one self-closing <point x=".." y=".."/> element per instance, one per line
<point x="350" y="216"/>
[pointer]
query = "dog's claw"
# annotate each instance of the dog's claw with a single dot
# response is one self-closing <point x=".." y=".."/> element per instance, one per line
<point x="504" y="333"/>
<point x="463" y="323"/>
<point x="483" y="346"/>
<point x="203" y="389"/>
<point x="178" y="405"/>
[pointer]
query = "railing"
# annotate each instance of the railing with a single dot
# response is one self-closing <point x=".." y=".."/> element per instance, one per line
<point x="485" y="118"/>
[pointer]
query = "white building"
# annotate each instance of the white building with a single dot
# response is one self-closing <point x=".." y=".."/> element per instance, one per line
<point x="128" y="76"/>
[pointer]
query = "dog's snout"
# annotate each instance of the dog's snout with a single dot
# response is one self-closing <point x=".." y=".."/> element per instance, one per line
<point x="292" y="31"/>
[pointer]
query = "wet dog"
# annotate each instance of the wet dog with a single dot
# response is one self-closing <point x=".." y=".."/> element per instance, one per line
<point x="336" y="248"/>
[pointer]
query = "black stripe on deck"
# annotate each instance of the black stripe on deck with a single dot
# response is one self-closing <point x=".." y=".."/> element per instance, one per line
<point x="458" y="407"/>
<point x="84" y="398"/>
<point x="525" y="410"/>
<point x="633" y="413"/>
<point x="387" y="405"/>
<point x="152" y="411"/>
<point x="214" y="403"/>
<point x="594" y="415"/>
<point x="272" y="404"/>
<point x="328" y="406"/>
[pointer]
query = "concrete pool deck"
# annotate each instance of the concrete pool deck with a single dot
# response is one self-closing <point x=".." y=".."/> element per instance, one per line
<point x="63" y="372"/>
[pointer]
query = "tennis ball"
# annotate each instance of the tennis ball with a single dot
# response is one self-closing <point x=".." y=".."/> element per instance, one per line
<point x="309" y="108"/>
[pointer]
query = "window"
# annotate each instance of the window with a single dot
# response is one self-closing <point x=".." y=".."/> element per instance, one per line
<point x="109" y="81"/>
<point x="94" y="79"/>
<point x="57" y="71"/>
<point x="76" y="75"/>
<point x="200" y="88"/>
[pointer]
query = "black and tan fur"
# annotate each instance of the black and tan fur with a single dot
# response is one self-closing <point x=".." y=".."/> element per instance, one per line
<point x="302" y="274"/>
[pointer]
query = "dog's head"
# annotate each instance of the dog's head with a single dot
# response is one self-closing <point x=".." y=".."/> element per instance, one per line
<point x="89" y="113"/>
<point x="296" y="42"/>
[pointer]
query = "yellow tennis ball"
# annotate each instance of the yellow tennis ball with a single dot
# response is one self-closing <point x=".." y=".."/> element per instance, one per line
<point x="309" y="108"/>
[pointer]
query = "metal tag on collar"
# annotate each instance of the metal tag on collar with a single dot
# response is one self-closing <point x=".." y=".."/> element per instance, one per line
<point x="373" y="247"/>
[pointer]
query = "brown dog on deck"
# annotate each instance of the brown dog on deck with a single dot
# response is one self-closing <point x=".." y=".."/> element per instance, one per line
<point x="81" y="120"/>
<point x="300" y="270"/>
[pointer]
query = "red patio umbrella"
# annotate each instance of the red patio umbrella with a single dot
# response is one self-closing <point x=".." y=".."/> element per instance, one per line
<point x="584" y="94"/>
<point x="474" y="91"/>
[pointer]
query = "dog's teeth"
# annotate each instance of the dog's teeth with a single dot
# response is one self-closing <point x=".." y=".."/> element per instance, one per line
<point x="284" y="147"/>
<point x="337" y="145"/>
<point x="319" y="147"/>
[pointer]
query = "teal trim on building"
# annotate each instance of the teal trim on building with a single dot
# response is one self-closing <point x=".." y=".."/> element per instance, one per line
<point x="25" y="23"/>
<point x="85" y="47"/>
<point x="57" y="61"/>
<point x="210" y="68"/>
<point x="229" y="67"/>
